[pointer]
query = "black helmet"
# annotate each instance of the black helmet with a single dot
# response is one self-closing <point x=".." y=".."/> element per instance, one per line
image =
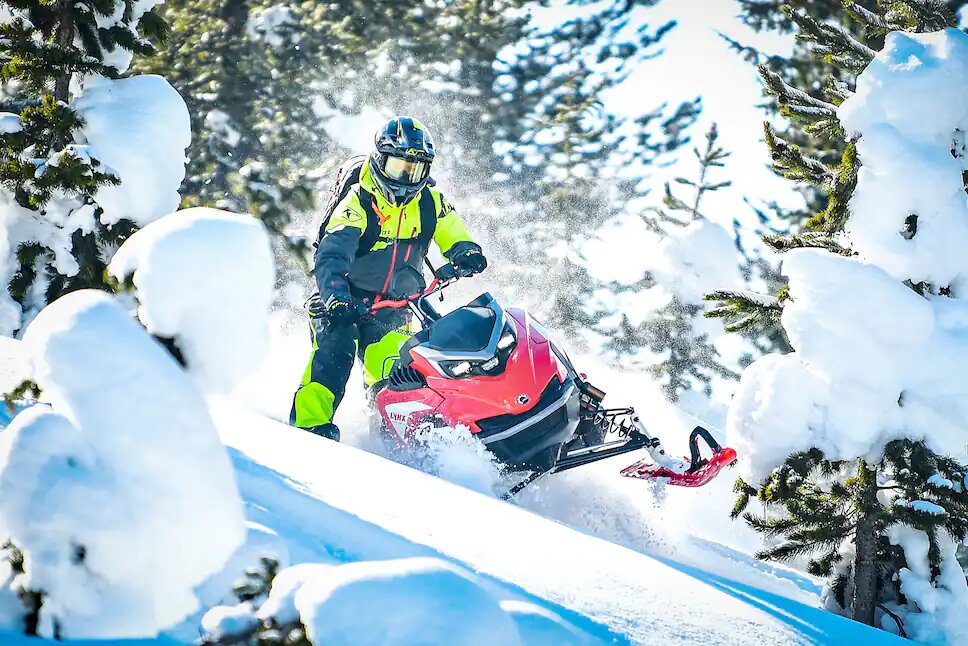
<point x="400" y="164"/>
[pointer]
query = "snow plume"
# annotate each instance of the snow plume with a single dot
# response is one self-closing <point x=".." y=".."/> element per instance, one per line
<point x="119" y="493"/>
<point x="875" y="361"/>
<point x="204" y="278"/>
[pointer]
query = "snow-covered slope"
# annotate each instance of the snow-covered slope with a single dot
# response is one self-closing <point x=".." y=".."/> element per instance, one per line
<point x="328" y="501"/>
<point x="311" y="500"/>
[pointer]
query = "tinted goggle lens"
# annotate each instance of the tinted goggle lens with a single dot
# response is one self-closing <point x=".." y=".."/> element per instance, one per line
<point x="404" y="170"/>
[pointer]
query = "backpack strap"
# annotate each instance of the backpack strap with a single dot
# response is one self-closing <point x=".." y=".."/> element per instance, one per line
<point x="371" y="234"/>
<point x="428" y="217"/>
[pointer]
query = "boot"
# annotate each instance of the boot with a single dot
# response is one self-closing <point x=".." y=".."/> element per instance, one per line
<point x="329" y="431"/>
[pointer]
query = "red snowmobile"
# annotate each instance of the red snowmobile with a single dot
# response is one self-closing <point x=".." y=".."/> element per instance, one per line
<point x="498" y="373"/>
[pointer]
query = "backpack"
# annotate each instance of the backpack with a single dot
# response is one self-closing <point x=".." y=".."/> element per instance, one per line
<point x="347" y="177"/>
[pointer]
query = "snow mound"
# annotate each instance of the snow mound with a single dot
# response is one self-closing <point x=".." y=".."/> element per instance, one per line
<point x="910" y="102"/>
<point x="139" y="128"/>
<point x="941" y="600"/>
<point x="399" y="602"/>
<point x="204" y="278"/>
<point x="854" y="383"/>
<point x="695" y="260"/>
<point x="120" y="494"/>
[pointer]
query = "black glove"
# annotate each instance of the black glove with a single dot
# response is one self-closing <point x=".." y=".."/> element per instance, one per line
<point x="338" y="308"/>
<point x="468" y="260"/>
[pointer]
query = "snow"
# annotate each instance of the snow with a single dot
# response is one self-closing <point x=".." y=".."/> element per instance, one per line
<point x="269" y="24"/>
<point x="323" y="505"/>
<point x="204" y="277"/>
<point x="229" y="620"/>
<point x="853" y="383"/>
<point x="220" y="123"/>
<point x="10" y="123"/>
<point x="399" y="602"/>
<point x="909" y="103"/>
<point x="349" y="500"/>
<point x="939" y="480"/>
<point x="138" y="127"/>
<point x="875" y="361"/>
<point x="120" y="58"/>
<point x="695" y="260"/>
<point x="928" y="507"/>
<point x="941" y="600"/>
<point x="119" y="493"/>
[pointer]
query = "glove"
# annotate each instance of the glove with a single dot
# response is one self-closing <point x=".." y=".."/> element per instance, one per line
<point x="338" y="308"/>
<point x="468" y="260"/>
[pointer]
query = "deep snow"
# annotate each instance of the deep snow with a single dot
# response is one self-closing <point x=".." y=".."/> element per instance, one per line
<point x="311" y="500"/>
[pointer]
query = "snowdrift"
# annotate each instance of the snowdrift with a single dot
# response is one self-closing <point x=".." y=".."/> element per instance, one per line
<point x="331" y="502"/>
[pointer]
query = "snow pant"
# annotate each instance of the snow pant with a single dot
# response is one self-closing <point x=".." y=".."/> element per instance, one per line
<point x="376" y="340"/>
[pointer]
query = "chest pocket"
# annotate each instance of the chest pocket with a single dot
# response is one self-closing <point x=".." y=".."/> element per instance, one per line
<point x="371" y="235"/>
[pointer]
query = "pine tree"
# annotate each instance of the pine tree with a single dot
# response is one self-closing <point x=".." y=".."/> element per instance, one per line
<point x="817" y="73"/>
<point x="680" y="355"/>
<point x="836" y="513"/>
<point x="47" y="176"/>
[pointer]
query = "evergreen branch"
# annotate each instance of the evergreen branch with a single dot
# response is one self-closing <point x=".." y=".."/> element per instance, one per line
<point x="789" y="161"/>
<point x="831" y="42"/>
<point x="744" y="311"/>
<point x="805" y="239"/>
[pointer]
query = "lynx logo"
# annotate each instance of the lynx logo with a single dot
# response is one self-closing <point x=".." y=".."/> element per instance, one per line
<point x="399" y="414"/>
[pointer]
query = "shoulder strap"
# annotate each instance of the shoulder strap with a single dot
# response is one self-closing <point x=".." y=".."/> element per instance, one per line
<point x="372" y="231"/>
<point x="428" y="217"/>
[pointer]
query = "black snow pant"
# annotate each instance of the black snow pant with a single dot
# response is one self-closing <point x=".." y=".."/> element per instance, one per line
<point x="376" y="340"/>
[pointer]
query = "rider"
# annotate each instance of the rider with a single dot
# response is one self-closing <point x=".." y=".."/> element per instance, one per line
<point x="384" y="223"/>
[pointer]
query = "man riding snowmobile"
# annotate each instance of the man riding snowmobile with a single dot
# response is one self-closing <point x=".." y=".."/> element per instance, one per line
<point x="382" y="214"/>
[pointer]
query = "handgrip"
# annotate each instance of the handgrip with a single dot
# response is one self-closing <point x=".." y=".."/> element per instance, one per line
<point x="695" y="458"/>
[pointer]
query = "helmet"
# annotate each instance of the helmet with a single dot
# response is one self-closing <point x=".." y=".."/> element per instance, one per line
<point x="400" y="163"/>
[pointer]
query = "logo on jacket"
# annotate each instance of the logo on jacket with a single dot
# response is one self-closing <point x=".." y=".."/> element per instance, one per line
<point x="523" y="399"/>
<point x="380" y="216"/>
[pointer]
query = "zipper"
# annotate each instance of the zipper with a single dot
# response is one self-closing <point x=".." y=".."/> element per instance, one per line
<point x="393" y="259"/>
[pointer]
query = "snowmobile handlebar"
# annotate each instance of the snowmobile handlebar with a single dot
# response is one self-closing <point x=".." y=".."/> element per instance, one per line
<point x="443" y="277"/>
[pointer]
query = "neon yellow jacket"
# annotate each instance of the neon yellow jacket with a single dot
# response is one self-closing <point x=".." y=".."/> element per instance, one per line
<point x="368" y="239"/>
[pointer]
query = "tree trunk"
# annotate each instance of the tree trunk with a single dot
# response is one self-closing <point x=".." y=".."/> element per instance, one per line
<point x="865" y="544"/>
<point x="63" y="37"/>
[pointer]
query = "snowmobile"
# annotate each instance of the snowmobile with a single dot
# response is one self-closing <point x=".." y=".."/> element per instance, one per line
<point x="498" y="373"/>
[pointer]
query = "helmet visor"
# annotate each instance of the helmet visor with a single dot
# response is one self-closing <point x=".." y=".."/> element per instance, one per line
<point x="403" y="170"/>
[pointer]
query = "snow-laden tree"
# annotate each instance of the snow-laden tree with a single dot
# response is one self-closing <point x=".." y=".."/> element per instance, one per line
<point x="855" y="442"/>
<point x="690" y="256"/>
<point x="811" y="73"/>
<point x="86" y="156"/>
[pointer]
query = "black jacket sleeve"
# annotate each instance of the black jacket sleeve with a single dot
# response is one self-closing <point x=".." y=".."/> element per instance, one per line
<point x="334" y="255"/>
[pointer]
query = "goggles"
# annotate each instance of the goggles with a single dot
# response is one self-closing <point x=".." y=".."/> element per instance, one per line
<point x="398" y="169"/>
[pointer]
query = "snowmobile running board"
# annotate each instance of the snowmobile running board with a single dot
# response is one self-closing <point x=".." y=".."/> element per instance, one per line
<point x="700" y="470"/>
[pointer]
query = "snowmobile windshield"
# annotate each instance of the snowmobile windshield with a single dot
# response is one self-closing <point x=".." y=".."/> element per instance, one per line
<point x="403" y="170"/>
